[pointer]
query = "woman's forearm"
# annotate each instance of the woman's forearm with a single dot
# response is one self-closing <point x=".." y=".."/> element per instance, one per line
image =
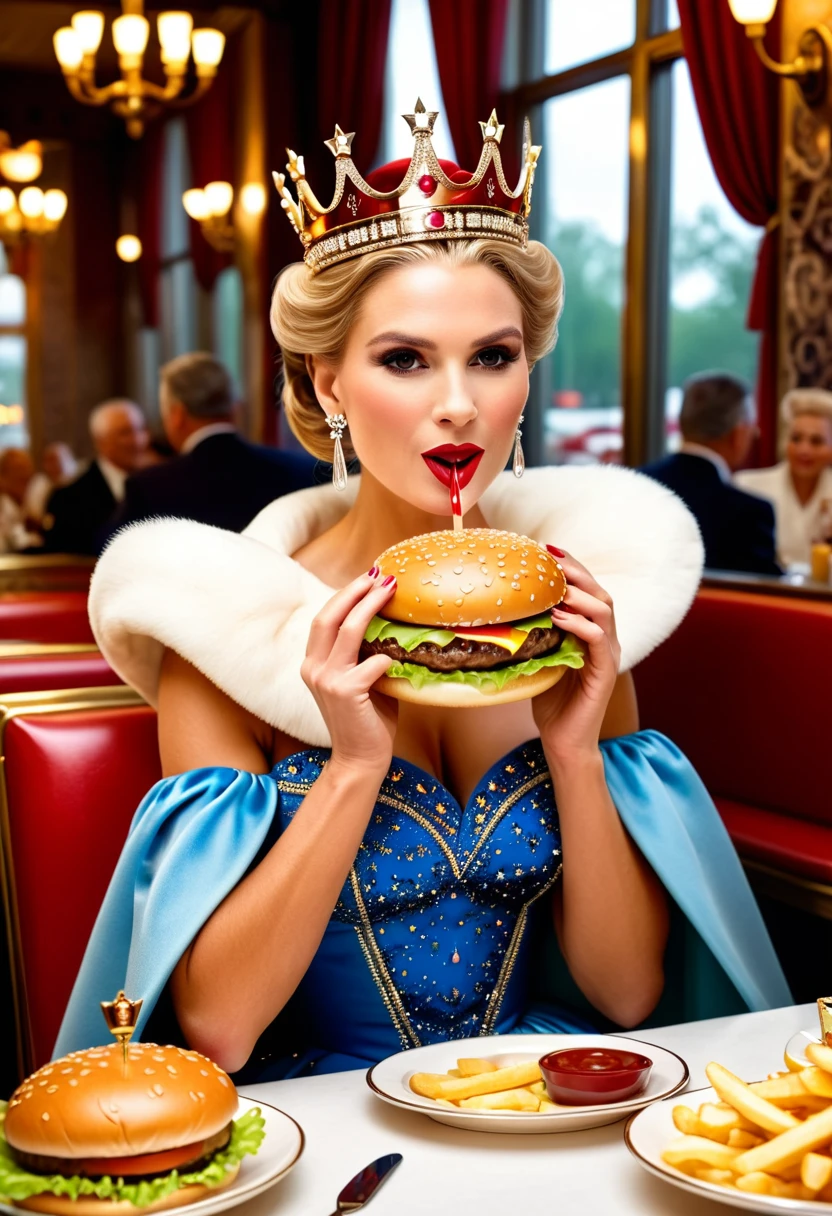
<point x="249" y="957"/>
<point x="615" y="921"/>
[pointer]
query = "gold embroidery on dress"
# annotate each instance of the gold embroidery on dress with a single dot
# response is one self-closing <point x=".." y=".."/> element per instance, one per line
<point x="378" y="969"/>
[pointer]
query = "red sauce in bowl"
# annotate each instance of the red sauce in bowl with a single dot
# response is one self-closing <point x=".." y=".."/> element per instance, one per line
<point x="587" y="1076"/>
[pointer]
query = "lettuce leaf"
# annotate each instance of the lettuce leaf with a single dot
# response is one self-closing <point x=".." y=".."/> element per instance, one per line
<point x="18" y="1183"/>
<point x="411" y="636"/>
<point x="569" y="654"/>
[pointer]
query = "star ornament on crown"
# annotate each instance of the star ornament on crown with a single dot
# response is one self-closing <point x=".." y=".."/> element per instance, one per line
<point x="432" y="201"/>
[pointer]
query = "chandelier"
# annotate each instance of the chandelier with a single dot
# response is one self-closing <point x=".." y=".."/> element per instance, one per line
<point x="34" y="212"/>
<point x="134" y="98"/>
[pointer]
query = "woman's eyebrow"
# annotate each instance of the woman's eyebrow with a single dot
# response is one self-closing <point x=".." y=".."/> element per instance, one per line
<point x="510" y="331"/>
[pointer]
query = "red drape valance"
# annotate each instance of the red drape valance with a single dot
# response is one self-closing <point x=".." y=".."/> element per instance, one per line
<point x="468" y="35"/>
<point x="738" y="104"/>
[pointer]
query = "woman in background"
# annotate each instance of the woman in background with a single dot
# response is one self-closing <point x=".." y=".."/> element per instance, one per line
<point x="798" y="485"/>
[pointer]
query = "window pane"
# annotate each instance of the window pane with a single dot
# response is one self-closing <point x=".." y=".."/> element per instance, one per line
<point x="228" y="322"/>
<point x="673" y="21"/>
<point x="577" y="32"/>
<point x="411" y="72"/>
<point x="585" y="225"/>
<point x="13" y="391"/>
<point x="712" y="257"/>
<point x="176" y="179"/>
<point x="12" y="300"/>
<point x="178" y="309"/>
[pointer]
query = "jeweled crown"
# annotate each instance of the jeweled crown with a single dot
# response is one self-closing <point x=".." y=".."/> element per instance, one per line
<point x="433" y="200"/>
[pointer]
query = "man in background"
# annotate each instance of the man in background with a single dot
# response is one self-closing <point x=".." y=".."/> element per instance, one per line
<point x="718" y="428"/>
<point x="217" y="477"/>
<point x="77" y="514"/>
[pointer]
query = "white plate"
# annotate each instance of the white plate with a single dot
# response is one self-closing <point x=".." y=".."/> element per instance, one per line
<point x="649" y="1133"/>
<point x="279" y="1152"/>
<point x="390" y="1081"/>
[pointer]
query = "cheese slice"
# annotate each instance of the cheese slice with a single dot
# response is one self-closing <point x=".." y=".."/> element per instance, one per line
<point x="511" y="636"/>
<point x="507" y="636"/>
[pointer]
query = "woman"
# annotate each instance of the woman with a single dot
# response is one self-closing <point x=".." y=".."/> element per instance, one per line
<point x="300" y="890"/>
<point x="799" y="485"/>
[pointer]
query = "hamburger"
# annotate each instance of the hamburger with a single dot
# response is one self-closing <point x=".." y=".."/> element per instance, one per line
<point x="470" y="621"/>
<point x="94" y="1132"/>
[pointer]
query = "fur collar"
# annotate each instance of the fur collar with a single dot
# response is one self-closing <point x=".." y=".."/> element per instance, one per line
<point x="239" y="608"/>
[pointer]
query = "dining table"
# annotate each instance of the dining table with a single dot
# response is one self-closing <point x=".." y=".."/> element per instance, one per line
<point x="449" y="1170"/>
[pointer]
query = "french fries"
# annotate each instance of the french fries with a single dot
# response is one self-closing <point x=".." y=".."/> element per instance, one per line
<point x="479" y="1084"/>
<point x="771" y="1137"/>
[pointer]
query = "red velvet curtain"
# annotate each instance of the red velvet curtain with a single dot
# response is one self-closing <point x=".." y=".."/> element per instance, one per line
<point x="211" y="151"/>
<point x="150" y="155"/>
<point x="468" y="35"/>
<point x="737" y="99"/>
<point x="352" y="55"/>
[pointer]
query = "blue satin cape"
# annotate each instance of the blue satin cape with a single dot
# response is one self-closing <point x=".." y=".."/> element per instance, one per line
<point x="429" y="940"/>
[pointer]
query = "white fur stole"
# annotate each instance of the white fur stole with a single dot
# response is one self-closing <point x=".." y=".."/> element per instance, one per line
<point x="239" y="608"/>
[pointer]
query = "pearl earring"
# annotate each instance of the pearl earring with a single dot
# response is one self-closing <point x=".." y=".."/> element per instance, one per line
<point x="519" y="462"/>
<point x="337" y="424"/>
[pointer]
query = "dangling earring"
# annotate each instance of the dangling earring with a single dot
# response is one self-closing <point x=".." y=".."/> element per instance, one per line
<point x="337" y="424"/>
<point x="519" y="463"/>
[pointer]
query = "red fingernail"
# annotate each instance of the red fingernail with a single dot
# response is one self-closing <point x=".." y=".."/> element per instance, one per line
<point x="373" y="572"/>
<point x="391" y="578"/>
<point x="557" y="552"/>
<point x="564" y="608"/>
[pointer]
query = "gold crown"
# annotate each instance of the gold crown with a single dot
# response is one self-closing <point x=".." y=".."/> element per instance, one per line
<point x="426" y="204"/>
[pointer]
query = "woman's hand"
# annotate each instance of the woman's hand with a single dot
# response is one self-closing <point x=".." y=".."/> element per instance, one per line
<point x="570" y="714"/>
<point x="362" y="724"/>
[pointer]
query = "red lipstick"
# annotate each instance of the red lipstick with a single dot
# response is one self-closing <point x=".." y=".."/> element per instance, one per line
<point x="460" y="459"/>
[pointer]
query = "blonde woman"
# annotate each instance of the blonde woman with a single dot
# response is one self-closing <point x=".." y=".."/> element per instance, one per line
<point x="326" y="874"/>
<point x="798" y="485"/>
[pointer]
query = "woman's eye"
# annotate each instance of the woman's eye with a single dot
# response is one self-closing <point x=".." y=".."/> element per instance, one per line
<point x="401" y="361"/>
<point x="494" y="356"/>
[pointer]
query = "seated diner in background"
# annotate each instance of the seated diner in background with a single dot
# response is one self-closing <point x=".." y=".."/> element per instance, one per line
<point x="327" y="873"/>
<point x="798" y="486"/>
<point x="58" y="468"/>
<point x="718" y="428"/>
<point x="18" y="531"/>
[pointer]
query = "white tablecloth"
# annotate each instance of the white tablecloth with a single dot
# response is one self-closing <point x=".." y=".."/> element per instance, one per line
<point x="446" y="1171"/>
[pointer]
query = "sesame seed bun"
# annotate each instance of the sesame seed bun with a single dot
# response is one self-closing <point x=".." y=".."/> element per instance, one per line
<point x="477" y="576"/>
<point x="91" y="1104"/>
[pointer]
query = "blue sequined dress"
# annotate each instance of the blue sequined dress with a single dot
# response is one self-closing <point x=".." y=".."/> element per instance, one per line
<point x="429" y="940"/>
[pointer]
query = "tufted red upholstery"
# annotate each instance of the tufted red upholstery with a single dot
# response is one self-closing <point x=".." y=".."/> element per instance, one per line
<point x="34" y="672"/>
<point x="742" y="687"/>
<point x="73" y="780"/>
<point x="44" y="616"/>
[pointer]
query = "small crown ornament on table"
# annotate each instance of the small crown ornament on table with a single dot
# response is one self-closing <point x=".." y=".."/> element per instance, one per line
<point x="426" y="204"/>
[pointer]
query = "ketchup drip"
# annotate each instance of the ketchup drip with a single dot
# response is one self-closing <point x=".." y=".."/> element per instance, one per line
<point x="456" y="498"/>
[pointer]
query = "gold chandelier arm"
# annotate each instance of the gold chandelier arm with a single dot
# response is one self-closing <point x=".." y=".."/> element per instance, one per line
<point x="203" y="84"/>
<point x="167" y="92"/>
<point x="798" y="67"/>
<point x="83" y="89"/>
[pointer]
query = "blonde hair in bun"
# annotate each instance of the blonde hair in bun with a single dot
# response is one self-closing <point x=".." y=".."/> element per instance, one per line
<point x="313" y="314"/>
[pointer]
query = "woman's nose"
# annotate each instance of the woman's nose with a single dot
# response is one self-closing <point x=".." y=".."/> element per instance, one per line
<point x="456" y="404"/>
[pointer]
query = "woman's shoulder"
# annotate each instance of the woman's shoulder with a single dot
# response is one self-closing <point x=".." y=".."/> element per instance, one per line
<point x="761" y="480"/>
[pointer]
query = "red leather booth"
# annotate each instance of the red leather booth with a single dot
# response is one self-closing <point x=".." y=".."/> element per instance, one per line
<point x="743" y="687"/>
<point x="30" y="668"/>
<point x="44" y="616"/>
<point x="77" y="764"/>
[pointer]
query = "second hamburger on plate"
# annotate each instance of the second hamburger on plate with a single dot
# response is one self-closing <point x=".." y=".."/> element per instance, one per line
<point x="470" y="621"/>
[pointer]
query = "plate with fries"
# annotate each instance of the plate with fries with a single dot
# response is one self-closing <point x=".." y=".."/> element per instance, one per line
<point x="494" y="1084"/>
<point x="764" y="1146"/>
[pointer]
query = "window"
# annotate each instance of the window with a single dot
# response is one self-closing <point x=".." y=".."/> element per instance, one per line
<point x="712" y="257"/>
<point x="577" y="33"/>
<point x="13" y="350"/>
<point x="177" y="285"/>
<point x="411" y="72"/>
<point x="227" y="322"/>
<point x="586" y="226"/>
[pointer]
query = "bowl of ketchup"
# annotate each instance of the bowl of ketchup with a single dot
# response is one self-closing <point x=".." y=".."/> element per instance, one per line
<point x="587" y="1076"/>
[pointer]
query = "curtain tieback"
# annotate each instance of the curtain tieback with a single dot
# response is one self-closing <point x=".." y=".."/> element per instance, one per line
<point x="773" y="222"/>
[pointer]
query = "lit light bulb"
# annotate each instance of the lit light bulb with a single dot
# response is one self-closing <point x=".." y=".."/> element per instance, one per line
<point x="130" y="34"/>
<point x="219" y="196"/>
<point x="22" y="164"/>
<point x="175" y="36"/>
<point x="8" y="202"/>
<point x="31" y="202"/>
<point x="253" y="198"/>
<point x="54" y="205"/>
<point x="208" y="46"/>
<point x="196" y="204"/>
<point x="753" y="12"/>
<point x="68" y="48"/>
<point x="88" y="26"/>
<point x="129" y="248"/>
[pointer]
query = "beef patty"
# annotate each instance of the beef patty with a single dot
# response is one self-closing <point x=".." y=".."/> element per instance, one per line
<point x="464" y="653"/>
